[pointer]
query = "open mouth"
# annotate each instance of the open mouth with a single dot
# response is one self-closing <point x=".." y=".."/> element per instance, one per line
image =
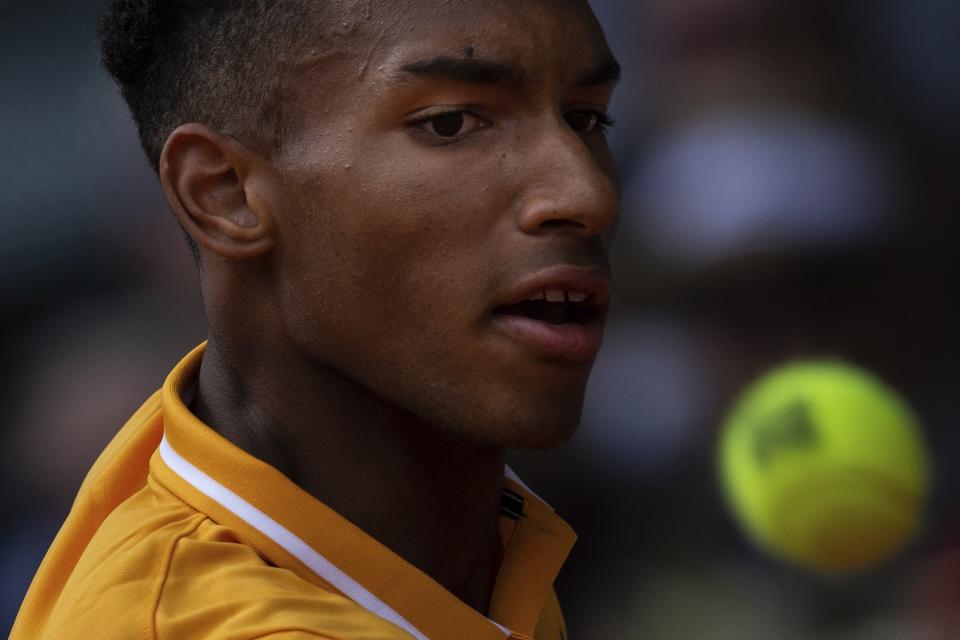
<point x="556" y="307"/>
<point x="557" y="314"/>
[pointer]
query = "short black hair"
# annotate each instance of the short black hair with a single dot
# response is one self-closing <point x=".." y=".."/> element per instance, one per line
<point x="216" y="62"/>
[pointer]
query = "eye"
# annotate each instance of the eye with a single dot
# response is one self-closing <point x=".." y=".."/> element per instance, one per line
<point x="588" y="120"/>
<point x="451" y="124"/>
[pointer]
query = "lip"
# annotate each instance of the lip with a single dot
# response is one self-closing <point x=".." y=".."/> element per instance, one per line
<point x="571" y="343"/>
<point x="594" y="282"/>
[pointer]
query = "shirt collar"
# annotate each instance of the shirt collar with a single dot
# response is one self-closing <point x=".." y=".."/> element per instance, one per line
<point x="294" y="530"/>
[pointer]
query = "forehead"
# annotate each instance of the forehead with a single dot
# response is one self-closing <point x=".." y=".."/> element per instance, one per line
<point x="536" y="35"/>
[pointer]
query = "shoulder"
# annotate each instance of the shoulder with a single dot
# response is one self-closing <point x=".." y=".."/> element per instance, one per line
<point x="158" y="569"/>
<point x="216" y="586"/>
<point x="111" y="588"/>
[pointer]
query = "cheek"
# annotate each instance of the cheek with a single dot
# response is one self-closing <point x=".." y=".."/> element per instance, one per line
<point x="421" y="226"/>
<point x="392" y="254"/>
<point x="389" y="281"/>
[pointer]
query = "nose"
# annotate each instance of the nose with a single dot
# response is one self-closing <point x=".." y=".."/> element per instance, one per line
<point x="571" y="185"/>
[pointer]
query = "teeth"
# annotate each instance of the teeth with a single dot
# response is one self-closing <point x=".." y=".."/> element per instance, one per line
<point x="559" y="295"/>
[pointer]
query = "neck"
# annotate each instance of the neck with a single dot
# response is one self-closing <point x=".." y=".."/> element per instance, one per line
<point x="429" y="496"/>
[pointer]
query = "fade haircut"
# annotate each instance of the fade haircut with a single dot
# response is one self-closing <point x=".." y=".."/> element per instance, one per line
<point x="216" y="62"/>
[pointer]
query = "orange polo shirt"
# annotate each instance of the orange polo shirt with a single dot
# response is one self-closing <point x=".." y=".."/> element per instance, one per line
<point x="177" y="533"/>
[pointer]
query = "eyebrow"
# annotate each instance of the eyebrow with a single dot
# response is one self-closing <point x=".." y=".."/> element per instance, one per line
<point x="607" y="72"/>
<point x="491" y="72"/>
<point x="469" y="70"/>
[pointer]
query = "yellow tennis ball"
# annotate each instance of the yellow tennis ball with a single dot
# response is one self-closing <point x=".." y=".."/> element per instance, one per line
<point x="825" y="466"/>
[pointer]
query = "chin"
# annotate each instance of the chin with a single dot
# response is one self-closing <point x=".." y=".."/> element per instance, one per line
<point x="528" y="415"/>
<point x="544" y="439"/>
<point x="540" y="421"/>
<point x="544" y="430"/>
<point x="505" y="426"/>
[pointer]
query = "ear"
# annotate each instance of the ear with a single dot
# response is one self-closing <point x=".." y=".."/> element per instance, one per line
<point x="211" y="182"/>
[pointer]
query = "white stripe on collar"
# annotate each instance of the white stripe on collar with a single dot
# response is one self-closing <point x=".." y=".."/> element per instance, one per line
<point x="289" y="541"/>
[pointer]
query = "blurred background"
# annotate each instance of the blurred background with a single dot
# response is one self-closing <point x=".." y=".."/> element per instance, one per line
<point x="790" y="190"/>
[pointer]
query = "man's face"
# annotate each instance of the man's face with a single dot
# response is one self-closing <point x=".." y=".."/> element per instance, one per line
<point x="448" y="163"/>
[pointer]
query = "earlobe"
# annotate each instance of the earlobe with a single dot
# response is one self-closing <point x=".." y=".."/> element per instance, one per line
<point x="208" y="178"/>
